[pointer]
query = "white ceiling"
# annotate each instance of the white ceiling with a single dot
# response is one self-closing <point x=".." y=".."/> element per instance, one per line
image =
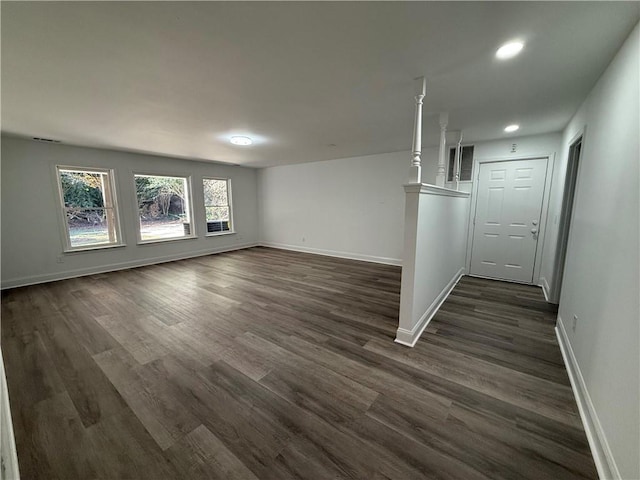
<point x="308" y="81"/>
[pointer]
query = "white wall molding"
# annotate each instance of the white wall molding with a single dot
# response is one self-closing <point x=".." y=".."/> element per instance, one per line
<point x="602" y="454"/>
<point x="410" y="337"/>
<point x="545" y="289"/>
<point x="8" y="453"/>
<point x="334" y="253"/>
<point x="83" y="272"/>
<point x="427" y="189"/>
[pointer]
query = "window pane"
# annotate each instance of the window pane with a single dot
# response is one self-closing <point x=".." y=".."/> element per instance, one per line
<point x="82" y="189"/>
<point x="217" y="213"/>
<point x="215" y="192"/>
<point x="87" y="227"/>
<point x="466" y="164"/>
<point x="88" y="200"/>
<point x="163" y="206"/>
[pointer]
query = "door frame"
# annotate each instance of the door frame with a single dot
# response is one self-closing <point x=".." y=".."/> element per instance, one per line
<point x="570" y="187"/>
<point x="543" y="215"/>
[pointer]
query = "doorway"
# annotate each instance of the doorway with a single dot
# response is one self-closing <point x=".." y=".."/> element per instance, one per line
<point x="570" y="182"/>
<point x="507" y="219"/>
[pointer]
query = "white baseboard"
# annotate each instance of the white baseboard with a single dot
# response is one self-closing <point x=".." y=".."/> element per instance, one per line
<point x="8" y="453"/>
<point x="334" y="253"/>
<point x="410" y="337"/>
<point x="545" y="289"/>
<point x="602" y="455"/>
<point x="112" y="267"/>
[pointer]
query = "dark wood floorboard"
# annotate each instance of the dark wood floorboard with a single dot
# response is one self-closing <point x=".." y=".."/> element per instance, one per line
<point x="267" y="364"/>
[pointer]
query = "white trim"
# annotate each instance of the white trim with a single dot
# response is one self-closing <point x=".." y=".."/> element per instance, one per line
<point x="170" y="239"/>
<point x="62" y="217"/>
<point x="101" y="246"/>
<point x="545" y="289"/>
<point x="52" y="277"/>
<point x="564" y="218"/>
<point x="409" y="338"/>
<point x="602" y="455"/>
<point x="334" y="253"/>
<point x="218" y="234"/>
<point x="425" y="188"/>
<point x="229" y="204"/>
<point x="8" y="453"/>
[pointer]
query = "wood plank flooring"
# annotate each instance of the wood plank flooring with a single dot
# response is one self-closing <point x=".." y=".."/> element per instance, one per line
<point x="267" y="364"/>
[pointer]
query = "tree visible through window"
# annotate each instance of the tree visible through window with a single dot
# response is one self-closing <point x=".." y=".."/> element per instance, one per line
<point x="217" y="204"/>
<point x="88" y="199"/>
<point x="163" y="207"/>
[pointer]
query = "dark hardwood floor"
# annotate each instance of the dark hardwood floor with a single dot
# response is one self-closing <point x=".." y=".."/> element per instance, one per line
<point x="266" y="364"/>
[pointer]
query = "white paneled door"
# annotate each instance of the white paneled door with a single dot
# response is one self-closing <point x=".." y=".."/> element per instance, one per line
<point x="507" y="220"/>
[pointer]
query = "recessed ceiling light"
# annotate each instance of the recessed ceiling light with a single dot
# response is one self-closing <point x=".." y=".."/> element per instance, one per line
<point x="511" y="128"/>
<point x="509" y="50"/>
<point x="239" y="140"/>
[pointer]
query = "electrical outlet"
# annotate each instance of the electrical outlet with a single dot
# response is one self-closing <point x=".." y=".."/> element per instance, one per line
<point x="575" y="323"/>
<point x="60" y="259"/>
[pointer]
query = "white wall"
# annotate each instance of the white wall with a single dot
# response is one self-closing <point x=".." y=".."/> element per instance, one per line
<point x="31" y="225"/>
<point x="601" y="282"/>
<point x="435" y="245"/>
<point x="349" y="207"/>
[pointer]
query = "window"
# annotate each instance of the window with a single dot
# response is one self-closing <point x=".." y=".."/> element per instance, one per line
<point x="217" y="204"/>
<point x="164" y="208"/>
<point x="89" y="208"/>
<point x="466" y="164"/>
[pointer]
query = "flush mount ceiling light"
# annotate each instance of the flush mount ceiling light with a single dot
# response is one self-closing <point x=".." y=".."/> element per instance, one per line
<point x="509" y="50"/>
<point x="511" y="128"/>
<point x="240" y="140"/>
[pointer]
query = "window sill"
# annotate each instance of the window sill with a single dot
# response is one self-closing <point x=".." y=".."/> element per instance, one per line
<point x="217" y="234"/>
<point x="164" y="240"/>
<point x="93" y="248"/>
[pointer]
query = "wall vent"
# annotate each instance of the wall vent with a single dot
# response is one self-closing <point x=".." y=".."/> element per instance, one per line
<point x="46" y="140"/>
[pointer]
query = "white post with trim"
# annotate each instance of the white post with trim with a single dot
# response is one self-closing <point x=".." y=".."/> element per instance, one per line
<point x="458" y="161"/>
<point x="415" y="171"/>
<point x="441" y="176"/>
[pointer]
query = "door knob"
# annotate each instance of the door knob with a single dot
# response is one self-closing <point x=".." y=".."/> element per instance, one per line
<point x="534" y="230"/>
<point x="535" y="222"/>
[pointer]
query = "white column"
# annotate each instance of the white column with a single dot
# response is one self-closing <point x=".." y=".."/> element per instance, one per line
<point x="441" y="176"/>
<point x="458" y="159"/>
<point x="415" y="172"/>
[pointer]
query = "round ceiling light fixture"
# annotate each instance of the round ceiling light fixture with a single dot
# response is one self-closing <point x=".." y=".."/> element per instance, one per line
<point x="509" y="50"/>
<point x="240" y="140"/>
<point x="511" y="128"/>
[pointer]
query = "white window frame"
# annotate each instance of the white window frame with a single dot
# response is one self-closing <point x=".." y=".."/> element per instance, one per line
<point x="189" y="198"/>
<point x="66" y="237"/>
<point x="232" y="226"/>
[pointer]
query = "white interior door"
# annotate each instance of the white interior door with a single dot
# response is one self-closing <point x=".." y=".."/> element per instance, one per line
<point x="507" y="221"/>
